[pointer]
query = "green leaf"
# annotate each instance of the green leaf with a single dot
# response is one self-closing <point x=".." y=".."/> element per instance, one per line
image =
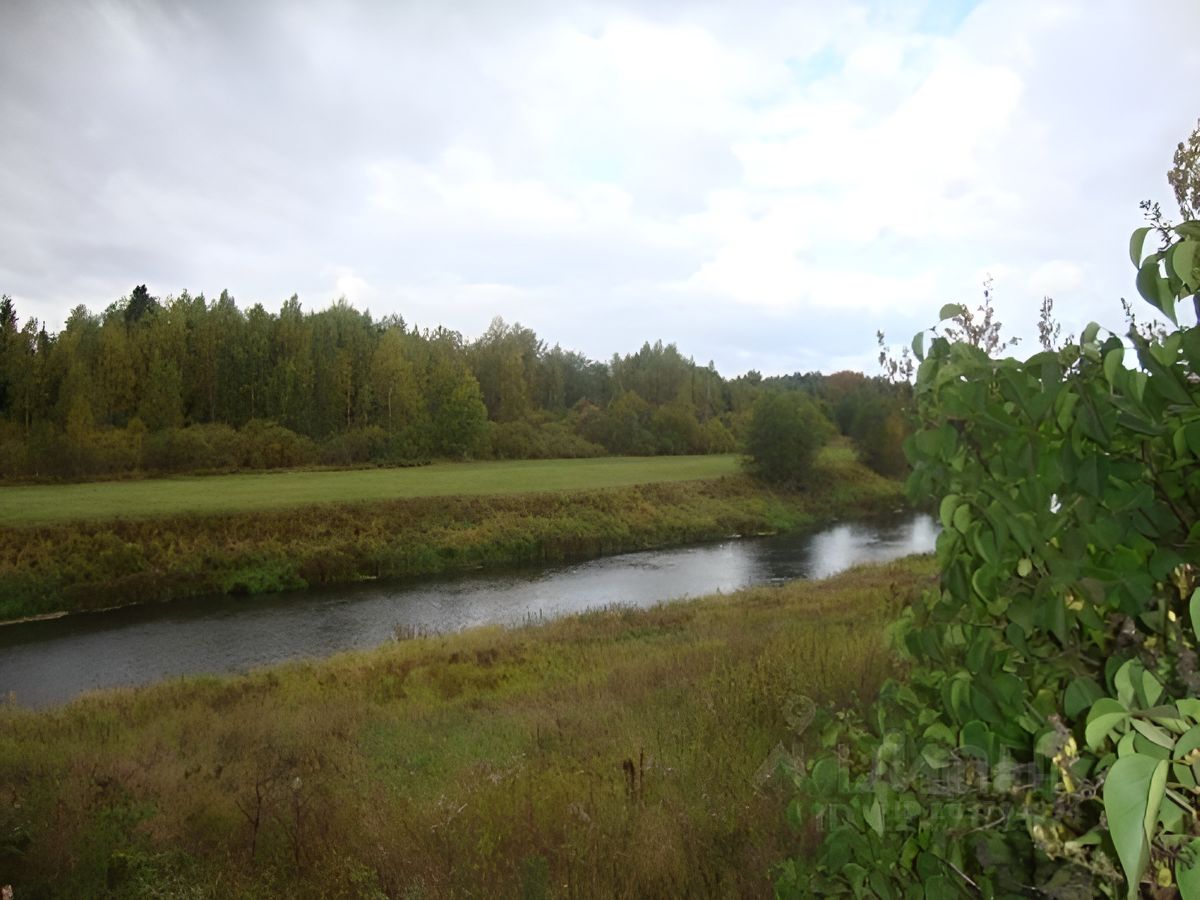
<point x="1190" y="706"/>
<point x="918" y="345"/>
<point x="1153" y="733"/>
<point x="946" y="510"/>
<point x="1136" y="244"/>
<point x="1127" y="745"/>
<point x="940" y="732"/>
<point x="950" y="310"/>
<point x="1024" y="567"/>
<point x="1105" y="715"/>
<point x="1151" y="690"/>
<point x="940" y="887"/>
<point x="1133" y="792"/>
<point x="1123" y="682"/>
<point x="825" y="775"/>
<point x="1185" y="771"/>
<point x="1080" y="694"/>
<point x="1154" y="289"/>
<point x="1137" y="387"/>
<point x="962" y="518"/>
<point x="1090" y="330"/>
<point x="873" y="816"/>
<point x="1191" y="434"/>
<point x="1187" y="871"/>
<point x="935" y="756"/>
<point x="1194" y="612"/>
<point x="1188" y="742"/>
<point x="1112" y="365"/>
<point x="1179" y="441"/>
<point x="1154" y="798"/>
<point x="1048" y="744"/>
<point x="977" y="738"/>
<point x="1183" y="261"/>
<point x="960" y="698"/>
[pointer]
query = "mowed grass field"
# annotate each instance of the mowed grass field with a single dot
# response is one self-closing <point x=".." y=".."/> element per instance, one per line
<point x="214" y="494"/>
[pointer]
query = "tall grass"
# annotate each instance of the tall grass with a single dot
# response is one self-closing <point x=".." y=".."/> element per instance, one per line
<point x="619" y="753"/>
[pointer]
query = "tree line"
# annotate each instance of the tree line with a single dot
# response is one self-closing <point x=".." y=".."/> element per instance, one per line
<point x="184" y="383"/>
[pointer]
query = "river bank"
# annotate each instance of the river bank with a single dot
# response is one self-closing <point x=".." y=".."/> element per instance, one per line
<point x="616" y="753"/>
<point x="95" y="563"/>
<point x="50" y="662"/>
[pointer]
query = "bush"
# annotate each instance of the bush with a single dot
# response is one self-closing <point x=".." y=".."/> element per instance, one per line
<point x="192" y="448"/>
<point x="676" y="430"/>
<point x="878" y="431"/>
<point x="513" y="440"/>
<point x="716" y="438"/>
<point x="355" y="447"/>
<point x="786" y="431"/>
<point x="115" y="450"/>
<point x="550" y="440"/>
<point x="1052" y="690"/>
<point x="623" y="427"/>
<point x="560" y="442"/>
<point x="266" y="445"/>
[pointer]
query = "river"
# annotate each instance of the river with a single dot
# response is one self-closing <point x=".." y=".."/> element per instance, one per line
<point x="50" y="662"/>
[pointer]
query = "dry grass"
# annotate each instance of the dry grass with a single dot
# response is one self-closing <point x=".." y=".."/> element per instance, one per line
<point x="608" y="754"/>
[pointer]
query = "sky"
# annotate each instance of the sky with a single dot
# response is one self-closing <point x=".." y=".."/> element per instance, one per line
<point x="763" y="184"/>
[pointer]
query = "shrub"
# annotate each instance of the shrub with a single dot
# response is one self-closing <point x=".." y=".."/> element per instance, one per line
<point x="525" y="439"/>
<point x="355" y="447"/>
<point x="195" y="447"/>
<point x="267" y="445"/>
<point x="560" y="442"/>
<point x="513" y="440"/>
<point x="786" y="431"/>
<point x="1047" y="736"/>
<point x="716" y="438"/>
<point x="676" y="430"/>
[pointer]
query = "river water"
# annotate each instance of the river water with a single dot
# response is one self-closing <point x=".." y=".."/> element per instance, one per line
<point x="50" y="662"/>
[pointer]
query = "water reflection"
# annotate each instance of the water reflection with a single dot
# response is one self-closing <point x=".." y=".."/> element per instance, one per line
<point x="42" y="663"/>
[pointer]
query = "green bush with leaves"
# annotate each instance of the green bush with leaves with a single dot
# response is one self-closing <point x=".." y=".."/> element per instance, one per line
<point x="1047" y="737"/>
<point x="786" y="432"/>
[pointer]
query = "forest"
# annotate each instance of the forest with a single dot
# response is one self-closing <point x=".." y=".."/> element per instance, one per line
<point x="185" y="384"/>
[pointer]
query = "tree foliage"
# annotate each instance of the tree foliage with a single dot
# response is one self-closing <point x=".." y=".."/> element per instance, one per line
<point x="1047" y="738"/>
<point x="1184" y="176"/>
<point x="336" y="379"/>
<point x="786" y="431"/>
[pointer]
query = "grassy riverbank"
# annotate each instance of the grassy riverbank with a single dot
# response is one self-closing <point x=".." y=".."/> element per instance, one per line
<point x="88" y="561"/>
<point x="609" y="754"/>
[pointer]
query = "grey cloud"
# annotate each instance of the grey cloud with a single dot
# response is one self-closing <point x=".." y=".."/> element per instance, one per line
<point x="228" y="144"/>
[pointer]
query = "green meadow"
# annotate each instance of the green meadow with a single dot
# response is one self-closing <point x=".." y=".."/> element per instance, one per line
<point x="212" y="494"/>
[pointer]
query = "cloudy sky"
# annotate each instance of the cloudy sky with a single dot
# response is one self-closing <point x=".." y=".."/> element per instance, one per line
<point x="764" y="184"/>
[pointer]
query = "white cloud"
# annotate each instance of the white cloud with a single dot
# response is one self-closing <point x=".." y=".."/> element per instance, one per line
<point x="355" y="288"/>
<point x="606" y="171"/>
<point x="1055" y="277"/>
